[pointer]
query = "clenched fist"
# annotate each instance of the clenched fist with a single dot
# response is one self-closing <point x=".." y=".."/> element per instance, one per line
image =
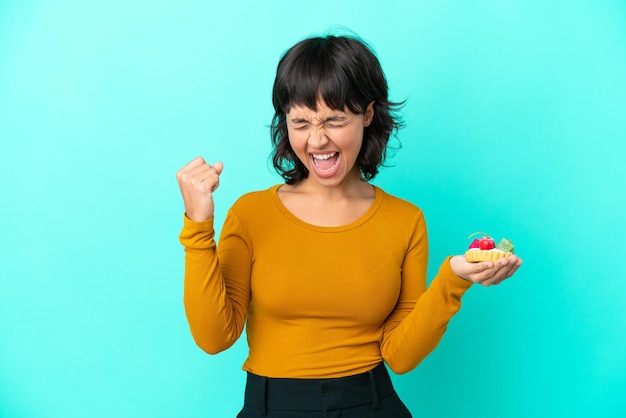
<point x="197" y="181"/>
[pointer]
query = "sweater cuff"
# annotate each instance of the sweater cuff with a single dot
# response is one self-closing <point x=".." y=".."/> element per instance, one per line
<point x="446" y="272"/>
<point x="198" y="235"/>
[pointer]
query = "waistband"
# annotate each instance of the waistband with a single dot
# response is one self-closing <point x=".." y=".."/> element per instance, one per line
<point x="267" y="393"/>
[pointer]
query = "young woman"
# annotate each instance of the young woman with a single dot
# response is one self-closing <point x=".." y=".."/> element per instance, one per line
<point x="326" y="271"/>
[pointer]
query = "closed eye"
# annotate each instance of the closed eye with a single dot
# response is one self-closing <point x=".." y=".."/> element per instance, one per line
<point x="333" y="122"/>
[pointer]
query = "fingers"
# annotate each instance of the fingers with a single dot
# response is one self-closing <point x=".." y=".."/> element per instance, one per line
<point x="199" y="162"/>
<point x="196" y="162"/>
<point x="501" y="270"/>
<point x="204" y="178"/>
<point x="200" y="175"/>
<point x="485" y="273"/>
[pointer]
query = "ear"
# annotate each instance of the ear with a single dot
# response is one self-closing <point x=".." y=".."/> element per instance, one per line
<point x="369" y="114"/>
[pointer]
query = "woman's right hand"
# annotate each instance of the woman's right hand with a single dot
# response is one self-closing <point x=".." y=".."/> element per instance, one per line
<point x="197" y="181"/>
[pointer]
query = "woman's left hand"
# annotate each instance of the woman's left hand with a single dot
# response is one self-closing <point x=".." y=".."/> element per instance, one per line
<point x="486" y="273"/>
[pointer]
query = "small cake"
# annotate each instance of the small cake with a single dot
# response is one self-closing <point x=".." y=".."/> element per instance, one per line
<point x="485" y="249"/>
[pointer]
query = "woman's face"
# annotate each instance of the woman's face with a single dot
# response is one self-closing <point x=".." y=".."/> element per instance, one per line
<point x="328" y="141"/>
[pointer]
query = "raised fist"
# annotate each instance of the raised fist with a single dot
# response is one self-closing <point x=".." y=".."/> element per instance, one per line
<point x="197" y="181"/>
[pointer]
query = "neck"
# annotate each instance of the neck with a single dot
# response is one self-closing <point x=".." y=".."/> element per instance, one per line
<point x="352" y="186"/>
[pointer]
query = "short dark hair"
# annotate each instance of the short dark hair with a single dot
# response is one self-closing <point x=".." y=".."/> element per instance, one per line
<point x="345" y="73"/>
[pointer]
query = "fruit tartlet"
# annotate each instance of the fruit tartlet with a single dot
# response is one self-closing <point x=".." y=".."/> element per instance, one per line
<point x="485" y="248"/>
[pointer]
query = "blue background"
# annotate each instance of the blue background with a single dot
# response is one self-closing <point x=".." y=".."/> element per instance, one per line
<point x="515" y="125"/>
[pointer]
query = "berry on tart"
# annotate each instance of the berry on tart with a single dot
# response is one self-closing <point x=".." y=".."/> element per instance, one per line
<point x="485" y="248"/>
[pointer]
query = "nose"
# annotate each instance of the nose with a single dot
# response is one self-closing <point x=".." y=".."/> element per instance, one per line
<point x="317" y="137"/>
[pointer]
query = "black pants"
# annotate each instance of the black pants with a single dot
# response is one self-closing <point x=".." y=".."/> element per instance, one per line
<point x="365" y="395"/>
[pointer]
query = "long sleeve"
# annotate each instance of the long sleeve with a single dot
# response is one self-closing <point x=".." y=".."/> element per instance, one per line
<point x="317" y="301"/>
<point x="216" y="294"/>
<point x="422" y="314"/>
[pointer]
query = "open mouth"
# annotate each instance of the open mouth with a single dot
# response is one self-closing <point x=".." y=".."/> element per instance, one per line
<point x="325" y="164"/>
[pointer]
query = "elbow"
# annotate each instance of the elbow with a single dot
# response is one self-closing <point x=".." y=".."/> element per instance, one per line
<point x="211" y="346"/>
<point x="404" y="362"/>
<point x="401" y="367"/>
<point x="211" y="349"/>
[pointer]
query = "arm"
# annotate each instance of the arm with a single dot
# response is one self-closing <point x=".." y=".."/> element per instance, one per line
<point x="216" y="294"/>
<point x="421" y="316"/>
<point x="215" y="306"/>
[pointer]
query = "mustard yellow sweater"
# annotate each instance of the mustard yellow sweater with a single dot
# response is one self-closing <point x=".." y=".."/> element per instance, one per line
<point x="319" y="301"/>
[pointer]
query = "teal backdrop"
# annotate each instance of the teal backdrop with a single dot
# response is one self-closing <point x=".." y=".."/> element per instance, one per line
<point x="515" y="125"/>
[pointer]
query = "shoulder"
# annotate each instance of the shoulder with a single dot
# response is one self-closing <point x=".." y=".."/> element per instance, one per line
<point x="398" y="205"/>
<point x="255" y="201"/>
<point x="401" y="220"/>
